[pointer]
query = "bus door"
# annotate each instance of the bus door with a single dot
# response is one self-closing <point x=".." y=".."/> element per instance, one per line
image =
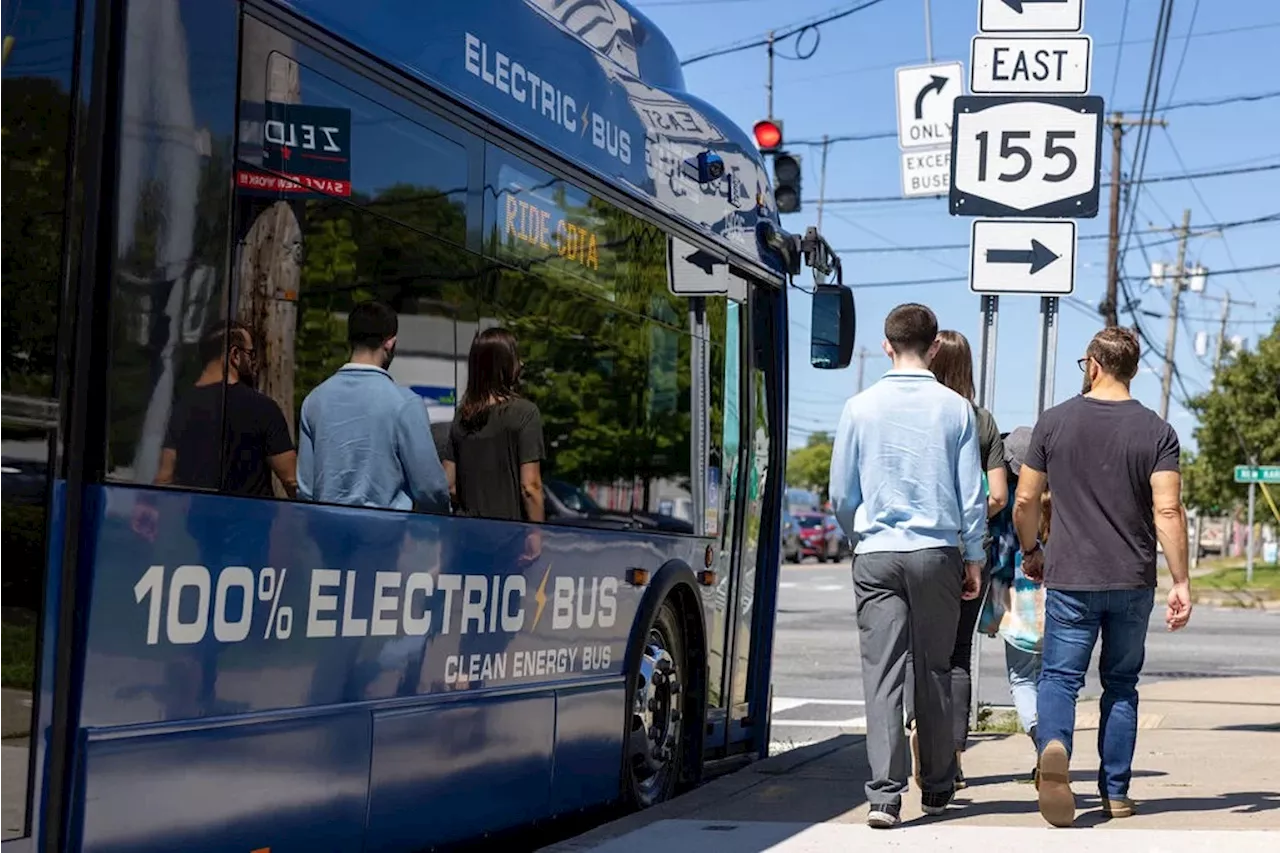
<point x="40" y="40"/>
<point x="742" y="451"/>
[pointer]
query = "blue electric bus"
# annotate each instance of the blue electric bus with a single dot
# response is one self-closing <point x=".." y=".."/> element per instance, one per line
<point x="208" y="669"/>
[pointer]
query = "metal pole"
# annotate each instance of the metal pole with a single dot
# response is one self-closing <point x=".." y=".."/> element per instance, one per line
<point x="862" y="364"/>
<point x="1248" y="558"/>
<point x="1166" y="384"/>
<point x="987" y="351"/>
<point x="1111" y="304"/>
<point x="1048" y="351"/>
<point x="768" y="86"/>
<point x="928" y="33"/>
<point x="822" y="180"/>
<point x="1198" y="535"/>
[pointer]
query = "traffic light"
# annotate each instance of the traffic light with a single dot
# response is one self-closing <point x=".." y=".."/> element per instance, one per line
<point x="768" y="134"/>
<point x="786" y="181"/>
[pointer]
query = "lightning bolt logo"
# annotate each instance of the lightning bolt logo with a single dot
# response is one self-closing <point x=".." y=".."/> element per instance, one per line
<point x="586" y="116"/>
<point x="541" y="597"/>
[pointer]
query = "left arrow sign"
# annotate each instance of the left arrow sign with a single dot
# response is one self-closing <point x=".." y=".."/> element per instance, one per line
<point x="1038" y="256"/>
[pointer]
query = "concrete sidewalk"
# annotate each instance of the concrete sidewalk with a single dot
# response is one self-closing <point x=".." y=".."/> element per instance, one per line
<point x="1208" y="760"/>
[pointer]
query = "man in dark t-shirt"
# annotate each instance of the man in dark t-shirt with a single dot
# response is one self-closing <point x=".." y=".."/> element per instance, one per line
<point x="223" y="435"/>
<point x="1113" y="466"/>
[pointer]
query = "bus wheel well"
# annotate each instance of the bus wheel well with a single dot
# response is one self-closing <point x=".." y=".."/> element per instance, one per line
<point x="674" y="589"/>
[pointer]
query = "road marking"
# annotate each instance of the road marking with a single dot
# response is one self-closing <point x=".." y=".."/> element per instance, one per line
<point x="783" y="704"/>
<point x="851" y="723"/>
<point x="798" y="702"/>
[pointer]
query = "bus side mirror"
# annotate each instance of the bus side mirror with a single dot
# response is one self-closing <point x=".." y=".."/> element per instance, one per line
<point x="832" y="328"/>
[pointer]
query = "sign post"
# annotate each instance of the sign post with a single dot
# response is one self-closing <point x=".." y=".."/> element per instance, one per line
<point x="926" y="95"/>
<point x="1253" y="475"/>
<point x="1026" y="149"/>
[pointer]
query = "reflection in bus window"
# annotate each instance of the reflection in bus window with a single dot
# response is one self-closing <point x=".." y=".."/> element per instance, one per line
<point x="606" y="348"/>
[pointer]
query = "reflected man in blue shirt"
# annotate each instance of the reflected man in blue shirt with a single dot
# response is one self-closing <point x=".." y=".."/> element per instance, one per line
<point x="906" y="483"/>
<point x="366" y="441"/>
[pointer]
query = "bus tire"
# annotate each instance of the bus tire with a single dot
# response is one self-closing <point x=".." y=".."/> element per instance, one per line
<point x="657" y="724"/>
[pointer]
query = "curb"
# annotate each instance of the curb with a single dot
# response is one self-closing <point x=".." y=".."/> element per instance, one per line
<point x="717" y="790"/>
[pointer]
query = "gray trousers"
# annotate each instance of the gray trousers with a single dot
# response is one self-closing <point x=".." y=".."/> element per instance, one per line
<point x="908" y="601"/>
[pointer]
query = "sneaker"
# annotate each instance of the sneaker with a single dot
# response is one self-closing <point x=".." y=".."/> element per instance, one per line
<point x="936" y="803"/>
<point x="883" y="817"/>
<point x="1119" y="807"/>
<point x="1057" y="802"/>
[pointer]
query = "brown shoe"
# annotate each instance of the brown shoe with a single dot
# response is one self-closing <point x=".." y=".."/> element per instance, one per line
<point x="1122" y="807"/>
<point x="1057" y="802"/>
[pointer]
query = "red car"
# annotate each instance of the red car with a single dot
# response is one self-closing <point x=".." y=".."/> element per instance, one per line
<point x="821" y="537"/>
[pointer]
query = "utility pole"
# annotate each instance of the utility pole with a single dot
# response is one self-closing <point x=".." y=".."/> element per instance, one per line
<point x="768" y="86"/>
<point x="822" y="180"/>
<point x="1179" y="276"/>
<point x="928" y="33"/>
<point x="862" y="364"/>
<point x="1110" y="305"/>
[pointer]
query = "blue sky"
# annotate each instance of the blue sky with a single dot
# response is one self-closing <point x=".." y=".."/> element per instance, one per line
<point x="847" y="87"/>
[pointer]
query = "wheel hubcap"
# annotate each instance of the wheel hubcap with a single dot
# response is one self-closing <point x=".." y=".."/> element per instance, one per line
<point x="655" y="719"/>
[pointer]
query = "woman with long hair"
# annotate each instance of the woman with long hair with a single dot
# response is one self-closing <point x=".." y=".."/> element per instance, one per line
<point x="493" y="457"/>
<point x="952" y="365"/>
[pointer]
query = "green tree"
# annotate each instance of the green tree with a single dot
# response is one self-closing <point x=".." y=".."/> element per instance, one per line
<point x="810" y="466"/>
<point x="1239" y="418"/>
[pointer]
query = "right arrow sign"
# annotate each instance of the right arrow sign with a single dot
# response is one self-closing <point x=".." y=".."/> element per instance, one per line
<point x="1037" y="257"/>
<point x="1031" y="16"/>
<point x="1023" y="256"/>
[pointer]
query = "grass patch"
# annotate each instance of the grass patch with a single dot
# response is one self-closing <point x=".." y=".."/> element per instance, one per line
<point x="18" y="655"/>
<point x="991" y="721"/>
<point x="1266" y="578"/>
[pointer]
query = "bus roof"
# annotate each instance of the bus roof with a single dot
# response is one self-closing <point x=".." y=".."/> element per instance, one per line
<point x="592" y="80"/>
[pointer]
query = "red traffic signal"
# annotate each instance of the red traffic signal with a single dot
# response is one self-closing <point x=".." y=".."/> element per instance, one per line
<point x="768" y="134"/>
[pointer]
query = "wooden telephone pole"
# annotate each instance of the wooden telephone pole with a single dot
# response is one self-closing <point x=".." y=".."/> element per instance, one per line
<point x="1179" y="282"/>
<point x="1118" y="123"/>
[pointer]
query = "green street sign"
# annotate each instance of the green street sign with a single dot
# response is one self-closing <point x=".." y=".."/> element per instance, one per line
<point x="1258" y="473"/>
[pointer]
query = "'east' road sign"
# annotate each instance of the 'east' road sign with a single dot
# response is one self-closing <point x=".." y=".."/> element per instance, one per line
<point x="926" y="172"/>
<point x="1023" y="256"/>
<point x="925" y="96"/>
<point x="1258" y="474"/>
<point x="1030" y="16"/>
<point x="1030" y="65"/>
<point x="1026" y="157"/>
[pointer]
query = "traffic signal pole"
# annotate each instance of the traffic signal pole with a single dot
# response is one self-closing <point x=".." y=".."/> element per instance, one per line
<point x="768" y="84"/>
<point x="822" y="179"/>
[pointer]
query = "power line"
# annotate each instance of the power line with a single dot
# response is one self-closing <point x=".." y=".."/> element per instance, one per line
<point x="1124" y="26"/>
<point x="1199" y="231"/>
<point x="780" y="34"/>
<point x="1184" y="105"/>
<point x="1125" y="278"/>
<point x="1160" y="179"/>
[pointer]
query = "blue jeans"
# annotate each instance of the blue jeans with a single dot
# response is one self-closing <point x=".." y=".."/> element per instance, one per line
<point x="1024" y="671"/>
<point x="1072" y="623"/>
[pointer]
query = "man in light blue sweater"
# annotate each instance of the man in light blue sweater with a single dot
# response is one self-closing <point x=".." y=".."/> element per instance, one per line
<point x="906" y="483"/>
<point x="366" y="441"/>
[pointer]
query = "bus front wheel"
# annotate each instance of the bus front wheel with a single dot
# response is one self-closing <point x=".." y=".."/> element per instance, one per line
<point x="655" y="734"/>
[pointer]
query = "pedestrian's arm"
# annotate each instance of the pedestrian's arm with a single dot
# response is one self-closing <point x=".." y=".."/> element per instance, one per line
<point x="418" y="458"/>
<point x="306" y="457"/>
<point x="969" y="491"/>
<point x="845" y="488"/>
<point x="281" y="455"/>
<point x="530" y="446"/>
<point x="1026" y="506"/>
<point x="168" y="463"/>
<point x="1166" y="502"/>
<point x="997" y="491"/>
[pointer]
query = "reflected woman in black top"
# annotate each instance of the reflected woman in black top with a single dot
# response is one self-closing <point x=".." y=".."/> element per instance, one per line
<point x="493" y="457"/>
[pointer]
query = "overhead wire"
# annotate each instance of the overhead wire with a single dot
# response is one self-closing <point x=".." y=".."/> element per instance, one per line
<point x="781" y="33"/>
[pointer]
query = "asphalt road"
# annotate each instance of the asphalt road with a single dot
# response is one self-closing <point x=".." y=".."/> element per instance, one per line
<point x="817" y="678"/>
